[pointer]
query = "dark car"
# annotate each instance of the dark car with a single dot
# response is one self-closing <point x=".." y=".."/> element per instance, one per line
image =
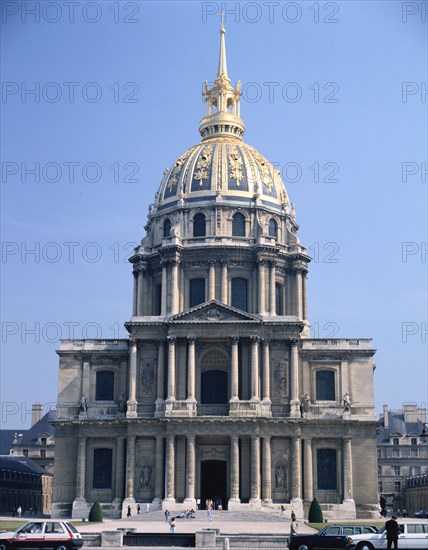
<point x="60" y="535"/>
<point x="332" y="536"/>
<point x="422" y="514"/>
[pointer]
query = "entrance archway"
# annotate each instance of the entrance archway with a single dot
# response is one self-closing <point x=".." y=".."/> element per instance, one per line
<point x="214" y="481"/>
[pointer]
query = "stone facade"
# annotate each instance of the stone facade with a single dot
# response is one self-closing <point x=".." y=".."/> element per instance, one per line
<point x="219" y="392"/>
<point x="402" y="447"/>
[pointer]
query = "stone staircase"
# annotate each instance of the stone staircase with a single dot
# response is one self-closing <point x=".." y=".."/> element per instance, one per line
<point x="223" y="515"/>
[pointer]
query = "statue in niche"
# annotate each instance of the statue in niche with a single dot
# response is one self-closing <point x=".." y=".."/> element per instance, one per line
<point x="83" y="405"/>
<point x="346" y="402"/>
<point x="147" y="378"/>
<point x="146" y="474"/>
<point x="280" y="377"/>
<point x="121" y="404"/>
<point x="280" y="477"/>
<point x="305" y="404"/>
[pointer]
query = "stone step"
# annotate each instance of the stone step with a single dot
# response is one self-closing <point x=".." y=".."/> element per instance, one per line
<point x="218" y="515"/>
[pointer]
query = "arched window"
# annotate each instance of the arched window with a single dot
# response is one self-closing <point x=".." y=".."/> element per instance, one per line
<point x="104" y="385"/>
<point x="166" y="228"/>
<point x="273" y="228"/>
<point x="325" y="385"/>
<point x="238" y="225"/>
<point x="240" y="293"/>
<point x="196" y="292"/>
<point x="279" y="302"/>
<point x="199" y="229"/>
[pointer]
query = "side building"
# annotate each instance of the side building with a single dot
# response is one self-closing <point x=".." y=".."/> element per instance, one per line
<point x="402" y="450"/>
<point x="218" y="393"/>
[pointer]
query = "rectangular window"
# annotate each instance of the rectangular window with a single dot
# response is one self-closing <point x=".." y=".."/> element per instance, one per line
<point x="158" y="299"/>
<point x="102" y="472"/>
<point x="379" y="453"/>
<point x="25" y="452"/>
<point x="397" y="486"/>
<point x="42" y="453"/>
<point x="279" y="304"/>
<point x="395" y="441"/>
<point x="326" y="469"/>
<point x="380" y="487"/>
<point x="325" y="386"/>
<point x="239" y="293"/>
<point x="396" y="470"/>
<point x="379" y="470"/>
<point x="396" y="453"/>
<point x="414" y="453"/>
<point x="43" y="441"/>
<point x="104" y="385"/>
<point x="197" y="292"/>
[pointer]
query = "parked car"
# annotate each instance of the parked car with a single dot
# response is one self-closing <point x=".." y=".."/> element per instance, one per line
<point x="331" y="536"/>
<point x="412" y="536"/>
<point x="60" y="535"/>
<point x="422" y="514"/>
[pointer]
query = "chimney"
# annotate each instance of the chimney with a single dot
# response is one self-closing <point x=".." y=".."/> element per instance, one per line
<point x="36" y="412"/>
<point x="385" y="416"/>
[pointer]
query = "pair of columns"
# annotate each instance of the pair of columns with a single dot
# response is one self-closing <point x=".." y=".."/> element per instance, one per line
<point x="270" y="307"/>
<point x="171" y="370"/>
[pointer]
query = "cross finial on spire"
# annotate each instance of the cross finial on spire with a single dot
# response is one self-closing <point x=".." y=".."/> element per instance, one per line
<point x="223" y="18"/>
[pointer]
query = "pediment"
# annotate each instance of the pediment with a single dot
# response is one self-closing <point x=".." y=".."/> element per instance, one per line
<point x="213" y="312"/>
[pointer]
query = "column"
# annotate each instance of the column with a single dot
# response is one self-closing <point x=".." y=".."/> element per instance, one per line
<point x="298" y="293"/>
<point x="348" y="492"/>
<point x="164" y="292"/>
<point x="294" y="379"/>
<point x="86" y="379"/>
<point x="224" y="282"/>
<point x="266" y="372"/>
<point x="261" y="288"/>
<point x="170" y="469"/>
<point x="134" y="294"/>
<point x="81" y="468"/>
<point x="305" y="295"/>
<point x="160" y="372"/>
<point x="190" y="470"/>
<point x="131" y="410"/>
<point x="130" y="467"/>
<point x="171" y="368"/>
<point x="191" y="370"/>
<point x="255" y="469"/>
<point x="272" y="289"/>
<point x="255" y="369"/>
<point x="307" y="470"/>
<point x="235" y="370"/>
<point x="234" y="469"/>
<point x="159" y="469"/>
<point x="140" y="289"/>
<point x="175" y="293"/>
<point x="267" y="471"/>
<point x="211" y="280"/>
<point x="120" y="468"/>
<point x="295" y="469"/>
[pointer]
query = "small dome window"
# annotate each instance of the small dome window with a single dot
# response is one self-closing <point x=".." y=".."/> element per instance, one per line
<point x="238" y="225"/>
<point x="199" y="226"/>
<point x="273" y="228"/>
<point x="166" y="228"/>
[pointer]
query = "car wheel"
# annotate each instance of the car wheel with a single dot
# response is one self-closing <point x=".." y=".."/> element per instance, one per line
<point x="62" y="547"/>
<point x="365" y="546"/>
<point x="4" y="545"/>
<point x="303" y="546"/>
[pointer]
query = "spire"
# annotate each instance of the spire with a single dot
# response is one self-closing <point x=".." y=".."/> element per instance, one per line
<point x="222" y="101"/>
<point x="222" y="63"/>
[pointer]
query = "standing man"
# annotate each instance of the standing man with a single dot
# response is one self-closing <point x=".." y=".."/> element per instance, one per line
<point x="392" y="531"/>
<point x="138" y="509"/>
<point x="294" y="529"/>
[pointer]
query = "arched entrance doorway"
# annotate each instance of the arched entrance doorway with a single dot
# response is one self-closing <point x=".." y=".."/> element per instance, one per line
<point x="214" y="482"/>
<point x="215" y="366"/>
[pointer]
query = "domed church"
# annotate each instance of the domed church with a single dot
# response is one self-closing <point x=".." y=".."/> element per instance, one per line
<point x="219" y="393"/>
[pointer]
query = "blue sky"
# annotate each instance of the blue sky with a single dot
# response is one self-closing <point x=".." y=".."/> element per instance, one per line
<point x="347" y="102"/>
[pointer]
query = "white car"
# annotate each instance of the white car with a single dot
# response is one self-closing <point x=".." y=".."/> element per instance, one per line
<point x="412" y="535"/>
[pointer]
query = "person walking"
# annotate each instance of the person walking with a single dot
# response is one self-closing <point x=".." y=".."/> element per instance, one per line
<point x="138" y="509"/>
<point x="166" y="514"/>
<point x="172" y="526"/>
<point x="294" y="528"/>
<point x="128" y="515"/>
<point x="147" y="507"/>
<point x="293" y="516"/>
<point x="392" y="531"/>
<point x="19" y="511"/>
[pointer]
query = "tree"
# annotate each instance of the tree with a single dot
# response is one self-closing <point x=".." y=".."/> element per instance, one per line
<point x="96" y="513"/>
<point x="315" y="512"/>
